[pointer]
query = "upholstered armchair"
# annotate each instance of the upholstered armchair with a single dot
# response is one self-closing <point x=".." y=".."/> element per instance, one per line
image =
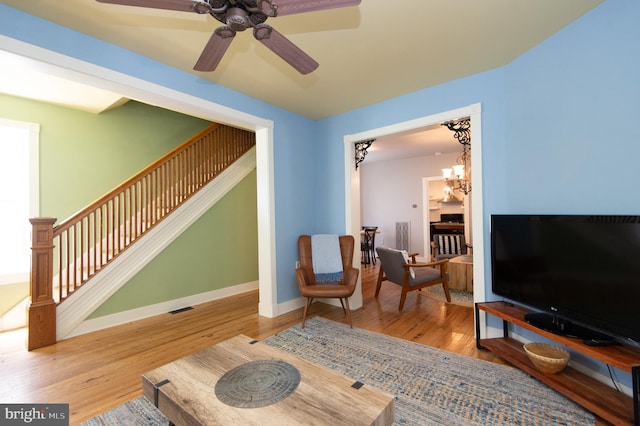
<point x="342" y="289"/>
<point x="396" y="268"/>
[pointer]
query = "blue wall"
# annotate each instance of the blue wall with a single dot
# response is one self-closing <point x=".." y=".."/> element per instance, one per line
<point x="570" y="106"/>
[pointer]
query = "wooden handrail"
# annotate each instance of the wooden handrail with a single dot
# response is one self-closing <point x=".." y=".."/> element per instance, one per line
<point x="137" y="177"/>
<point x="80" y="246"/>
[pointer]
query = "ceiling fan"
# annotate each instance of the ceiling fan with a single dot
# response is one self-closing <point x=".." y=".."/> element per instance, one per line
<point x="239" y="15"/>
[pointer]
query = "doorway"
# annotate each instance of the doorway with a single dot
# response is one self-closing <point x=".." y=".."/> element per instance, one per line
<point x="144" y="91"/>
<point x="352" y="182"/>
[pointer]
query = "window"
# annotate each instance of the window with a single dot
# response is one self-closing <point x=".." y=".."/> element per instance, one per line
<point x="19" y="195"/>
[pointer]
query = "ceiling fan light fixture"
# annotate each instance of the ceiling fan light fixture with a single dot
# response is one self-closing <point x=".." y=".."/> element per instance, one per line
<point x="267" y="7"/>
<point x="262" y="32"/>
<point x="201" y="7"/>
<point x="237" y="19"/>
<point x="224" y="32"/>
<point x="217" y="6"/>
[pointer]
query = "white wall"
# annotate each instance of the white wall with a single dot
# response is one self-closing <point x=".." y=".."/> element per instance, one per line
<point x="390" y="189"/>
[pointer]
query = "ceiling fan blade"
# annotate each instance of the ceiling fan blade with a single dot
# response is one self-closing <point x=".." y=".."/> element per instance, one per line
<point x="180" y="5"/>
<point x="215" y="49"/>
<point x="290" y="7"/>
<point x="283" y="47"/>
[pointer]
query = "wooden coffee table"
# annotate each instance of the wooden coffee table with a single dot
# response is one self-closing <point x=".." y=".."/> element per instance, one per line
<point x="184" y="391"/>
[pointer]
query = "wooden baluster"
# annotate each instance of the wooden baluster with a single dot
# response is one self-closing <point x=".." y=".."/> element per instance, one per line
<point x="42" y="307"/>
<point x="94" y="236"/>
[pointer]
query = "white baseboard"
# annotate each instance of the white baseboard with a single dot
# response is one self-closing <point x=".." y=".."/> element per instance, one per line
<point x="119" y="318"/>
<point x="291" y="305"/>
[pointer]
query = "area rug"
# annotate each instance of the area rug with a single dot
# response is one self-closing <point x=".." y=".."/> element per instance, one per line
<point x="137" y="412"/>
<point x="431" y="386"/>
<point x="458" y="297"/>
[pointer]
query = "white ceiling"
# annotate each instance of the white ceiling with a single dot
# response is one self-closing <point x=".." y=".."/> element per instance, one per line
<point x="432" y="140"/>
<point x="19" y="77"/>
<point x="367" y="54"/>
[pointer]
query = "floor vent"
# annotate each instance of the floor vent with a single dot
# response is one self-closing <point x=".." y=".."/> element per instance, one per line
<point x="177" y="311"/>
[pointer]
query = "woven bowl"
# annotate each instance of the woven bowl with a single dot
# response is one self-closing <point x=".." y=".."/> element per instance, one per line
<point x="547" y="358"/>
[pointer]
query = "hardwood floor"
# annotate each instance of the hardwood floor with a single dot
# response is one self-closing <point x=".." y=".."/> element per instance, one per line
<point x="98" y="371"/>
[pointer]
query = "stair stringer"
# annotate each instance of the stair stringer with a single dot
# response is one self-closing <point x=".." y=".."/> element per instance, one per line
<point x="74" y="310"/>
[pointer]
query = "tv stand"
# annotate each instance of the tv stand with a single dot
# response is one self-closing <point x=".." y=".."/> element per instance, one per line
<point x="557" y="325"/>
<point x="598" y="397"/>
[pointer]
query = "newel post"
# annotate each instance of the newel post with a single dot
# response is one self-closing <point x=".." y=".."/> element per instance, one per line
<point x="42" y="308"/>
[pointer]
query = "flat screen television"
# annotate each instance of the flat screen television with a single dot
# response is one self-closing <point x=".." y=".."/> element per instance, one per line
<point x="581" y="272"/>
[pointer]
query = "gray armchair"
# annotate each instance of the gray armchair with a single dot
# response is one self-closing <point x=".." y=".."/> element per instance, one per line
<point x="396" y="268"/>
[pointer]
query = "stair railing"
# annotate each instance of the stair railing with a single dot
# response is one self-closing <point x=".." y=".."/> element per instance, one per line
<point x="66" y="256"/>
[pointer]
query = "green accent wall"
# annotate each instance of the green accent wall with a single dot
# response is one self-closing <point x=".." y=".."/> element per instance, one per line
<point x="11" y="295"/>
<point x="219" y="250"/>
<point x="84" y="155"/>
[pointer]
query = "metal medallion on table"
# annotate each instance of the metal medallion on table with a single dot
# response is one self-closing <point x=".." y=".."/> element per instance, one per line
<point x="257" y="384"/>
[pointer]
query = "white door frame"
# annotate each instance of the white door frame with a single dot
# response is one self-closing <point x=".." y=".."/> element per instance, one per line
<point x="144" y="91"/>
<point x="426" y="213"/>
<point x="352" y="180"/>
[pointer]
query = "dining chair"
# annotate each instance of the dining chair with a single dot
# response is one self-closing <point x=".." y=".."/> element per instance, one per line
<point x="448" y="246"/>
<point x="368" y="244"/>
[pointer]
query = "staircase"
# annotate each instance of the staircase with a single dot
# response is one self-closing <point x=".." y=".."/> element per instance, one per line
<point x="79" y="263"/>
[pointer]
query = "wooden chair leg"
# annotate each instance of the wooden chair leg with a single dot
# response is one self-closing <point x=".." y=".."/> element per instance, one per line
<point x="403" y="297"/>
<point x="445" y="287"/>
<point x="365" y="255"/>
<point x="348" y="311"/>
<point x="445" y="282"/>
<point x="306" y="309"/>
<point x="342" y="303"/>
<point x="380" y="279"/>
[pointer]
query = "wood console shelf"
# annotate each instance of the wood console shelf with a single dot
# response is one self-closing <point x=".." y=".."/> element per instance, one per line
<point x="599" y="398"/>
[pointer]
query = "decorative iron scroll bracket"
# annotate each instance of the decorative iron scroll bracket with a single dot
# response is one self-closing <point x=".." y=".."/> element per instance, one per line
<point x="361" y="150"/>
<point x="461" y="130"/>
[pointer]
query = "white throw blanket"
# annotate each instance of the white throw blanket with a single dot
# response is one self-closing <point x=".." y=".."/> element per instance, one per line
<point x="326" y="257"/>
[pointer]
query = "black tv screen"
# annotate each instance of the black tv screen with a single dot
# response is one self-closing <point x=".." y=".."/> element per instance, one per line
<point x="582" y="269"/>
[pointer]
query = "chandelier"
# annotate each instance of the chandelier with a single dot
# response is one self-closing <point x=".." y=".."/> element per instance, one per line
<point x="458" y="176"/>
